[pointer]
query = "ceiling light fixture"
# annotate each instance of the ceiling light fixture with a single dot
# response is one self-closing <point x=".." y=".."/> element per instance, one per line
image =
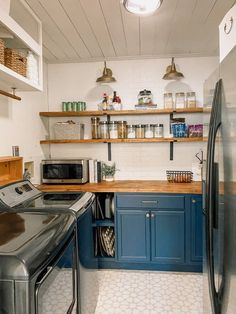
<point x="106" y="76"/>
<point x="171" y="73"/>
<point x="142" y="7"/>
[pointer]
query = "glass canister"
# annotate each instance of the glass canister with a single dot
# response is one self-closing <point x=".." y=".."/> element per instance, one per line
<point x="191" y="100"/>
<point x="113" y="129"/>
<point x="168" y="101"/>
<point x="131" y="130"/>
<point x="158" y="130"/>
<point x="140" y="131"/>
<point x="148" y="131"/>
<point x="179" y="100"/>
<point x="104" y="131"/>
<point x="145" y="97"/>
<point x="95" y="127"/>
<point x="122" y="129"/>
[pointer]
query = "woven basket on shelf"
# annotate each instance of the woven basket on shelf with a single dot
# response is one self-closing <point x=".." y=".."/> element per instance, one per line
<point x="2" y="47"/>
<point x="15" y="61"/>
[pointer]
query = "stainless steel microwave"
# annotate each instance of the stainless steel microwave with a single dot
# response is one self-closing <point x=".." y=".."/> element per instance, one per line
<point x="71" y="171"/>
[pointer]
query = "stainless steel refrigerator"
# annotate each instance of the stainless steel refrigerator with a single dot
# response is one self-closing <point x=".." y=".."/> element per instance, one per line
<point x="219" y="189"/>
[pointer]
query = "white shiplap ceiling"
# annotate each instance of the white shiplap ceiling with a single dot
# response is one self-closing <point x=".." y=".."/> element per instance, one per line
<point x="91" y="30"/>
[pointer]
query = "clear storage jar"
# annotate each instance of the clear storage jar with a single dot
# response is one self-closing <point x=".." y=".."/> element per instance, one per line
<point x="113" y="129"/>
<point x="122" y="129"/>
<point x="104" y="131"/>
<point x="191" y="100"/>
<point x="95" y="127"/>
<point x="158" y="130"/>
<point x="131" y="133"/>
<point x="148" y="131"/>
<point x="179" y="100"/>
<point x="168" y="101"/>
<point x="145" y="97"/>
<point x="140" y="131"/>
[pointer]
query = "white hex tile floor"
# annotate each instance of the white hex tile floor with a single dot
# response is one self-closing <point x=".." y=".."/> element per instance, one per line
<point x="144" y="292"/>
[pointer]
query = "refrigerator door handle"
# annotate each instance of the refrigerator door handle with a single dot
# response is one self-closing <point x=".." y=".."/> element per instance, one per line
<point x="211" y="191"/>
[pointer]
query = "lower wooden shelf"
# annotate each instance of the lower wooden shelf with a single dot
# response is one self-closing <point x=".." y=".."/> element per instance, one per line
<point x="125" y="140"/>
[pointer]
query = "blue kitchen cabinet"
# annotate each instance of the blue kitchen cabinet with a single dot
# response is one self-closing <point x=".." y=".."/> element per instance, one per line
<point x="196" y="228"/>
<point x="133" y="235"/>
<point x="168" y="237"/>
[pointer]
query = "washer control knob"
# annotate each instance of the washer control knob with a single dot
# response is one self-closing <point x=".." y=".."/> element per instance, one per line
<point x="18" y="190"/>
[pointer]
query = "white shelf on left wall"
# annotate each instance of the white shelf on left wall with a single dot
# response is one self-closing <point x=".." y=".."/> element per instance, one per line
<point x="10" y="78"/>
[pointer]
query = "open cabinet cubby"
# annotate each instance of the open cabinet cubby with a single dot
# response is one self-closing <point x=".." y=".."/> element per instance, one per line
<point x="103" y="226"/>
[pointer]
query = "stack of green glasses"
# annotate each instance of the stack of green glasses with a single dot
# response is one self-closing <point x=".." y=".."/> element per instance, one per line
<point x="73" y="106"/>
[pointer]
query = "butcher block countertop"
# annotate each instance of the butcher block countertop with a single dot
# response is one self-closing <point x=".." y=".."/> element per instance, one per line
<point x="147" y="186"/>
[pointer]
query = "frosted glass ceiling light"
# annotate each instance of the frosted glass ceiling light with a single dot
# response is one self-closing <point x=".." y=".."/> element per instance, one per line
<point x="142" y="7"/>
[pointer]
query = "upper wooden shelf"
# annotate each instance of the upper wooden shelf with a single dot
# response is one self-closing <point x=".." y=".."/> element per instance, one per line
<point x="125" y="140"/>
<point x="117" y="113"/>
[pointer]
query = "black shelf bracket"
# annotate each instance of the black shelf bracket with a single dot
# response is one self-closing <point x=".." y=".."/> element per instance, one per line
<point x="171" y="150"/>
<point x="109" y="151"/>
<point x="108" y="144"/>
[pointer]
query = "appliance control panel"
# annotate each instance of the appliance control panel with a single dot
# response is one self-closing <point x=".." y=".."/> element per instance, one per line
<point x="17" y="193"/>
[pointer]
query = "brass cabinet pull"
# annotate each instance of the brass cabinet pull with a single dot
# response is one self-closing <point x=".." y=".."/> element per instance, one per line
<point x="193" y="201"/>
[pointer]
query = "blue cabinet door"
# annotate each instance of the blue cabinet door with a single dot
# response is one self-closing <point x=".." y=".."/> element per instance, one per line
<point x="133" y="229"/>
<point x="196" y="228"/>
<point x="168" y="237"/>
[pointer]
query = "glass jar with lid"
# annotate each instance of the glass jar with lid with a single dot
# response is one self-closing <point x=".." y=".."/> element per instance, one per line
<point x="168" y="101"/>
<point x="131" y="133"/>
<point x="140" y="131"/>
<point x="113" y="129"/>
<point x="145" y="97"/>
<point x="95" y="127"/>
<point x="179" y="100"/>
<point x="122" y="129"/>
<point x="191" y="100"/>
<point x="104" y="131"/>
<point x="148" y="131"/>
<point x="158" y="130"/>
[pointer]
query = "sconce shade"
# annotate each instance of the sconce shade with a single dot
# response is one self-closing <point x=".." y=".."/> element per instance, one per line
<point x="106" y="76"/>
<point x="171" y="73"/>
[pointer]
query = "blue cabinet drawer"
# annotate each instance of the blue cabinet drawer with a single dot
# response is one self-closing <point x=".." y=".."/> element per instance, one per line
<point x="150" y="201"/>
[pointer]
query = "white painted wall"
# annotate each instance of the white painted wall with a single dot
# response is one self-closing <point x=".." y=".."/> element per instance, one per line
<point x="21" y="125"/>
<point x="70" y="82"/>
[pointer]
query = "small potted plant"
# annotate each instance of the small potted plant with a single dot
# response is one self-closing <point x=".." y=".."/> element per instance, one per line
<point x="108" y="171"/>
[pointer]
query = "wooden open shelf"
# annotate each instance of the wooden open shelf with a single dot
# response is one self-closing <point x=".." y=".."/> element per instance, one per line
<point x="11" y="169"/>
<point x="117" y="113"/>
<point x="126" y="140"/>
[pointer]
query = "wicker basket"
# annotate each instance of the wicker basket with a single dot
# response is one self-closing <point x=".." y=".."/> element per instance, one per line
<point x="69" y="130"/>
<point x="2" y="47"/>
<point x="15" y="61"/>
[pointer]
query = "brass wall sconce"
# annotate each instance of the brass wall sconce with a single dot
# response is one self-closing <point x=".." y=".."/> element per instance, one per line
<point x="106" y="76"/>
<point x="171" y="73"/>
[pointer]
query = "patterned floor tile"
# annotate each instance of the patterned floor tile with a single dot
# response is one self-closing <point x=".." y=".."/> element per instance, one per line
<point x="144" y="292"/>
